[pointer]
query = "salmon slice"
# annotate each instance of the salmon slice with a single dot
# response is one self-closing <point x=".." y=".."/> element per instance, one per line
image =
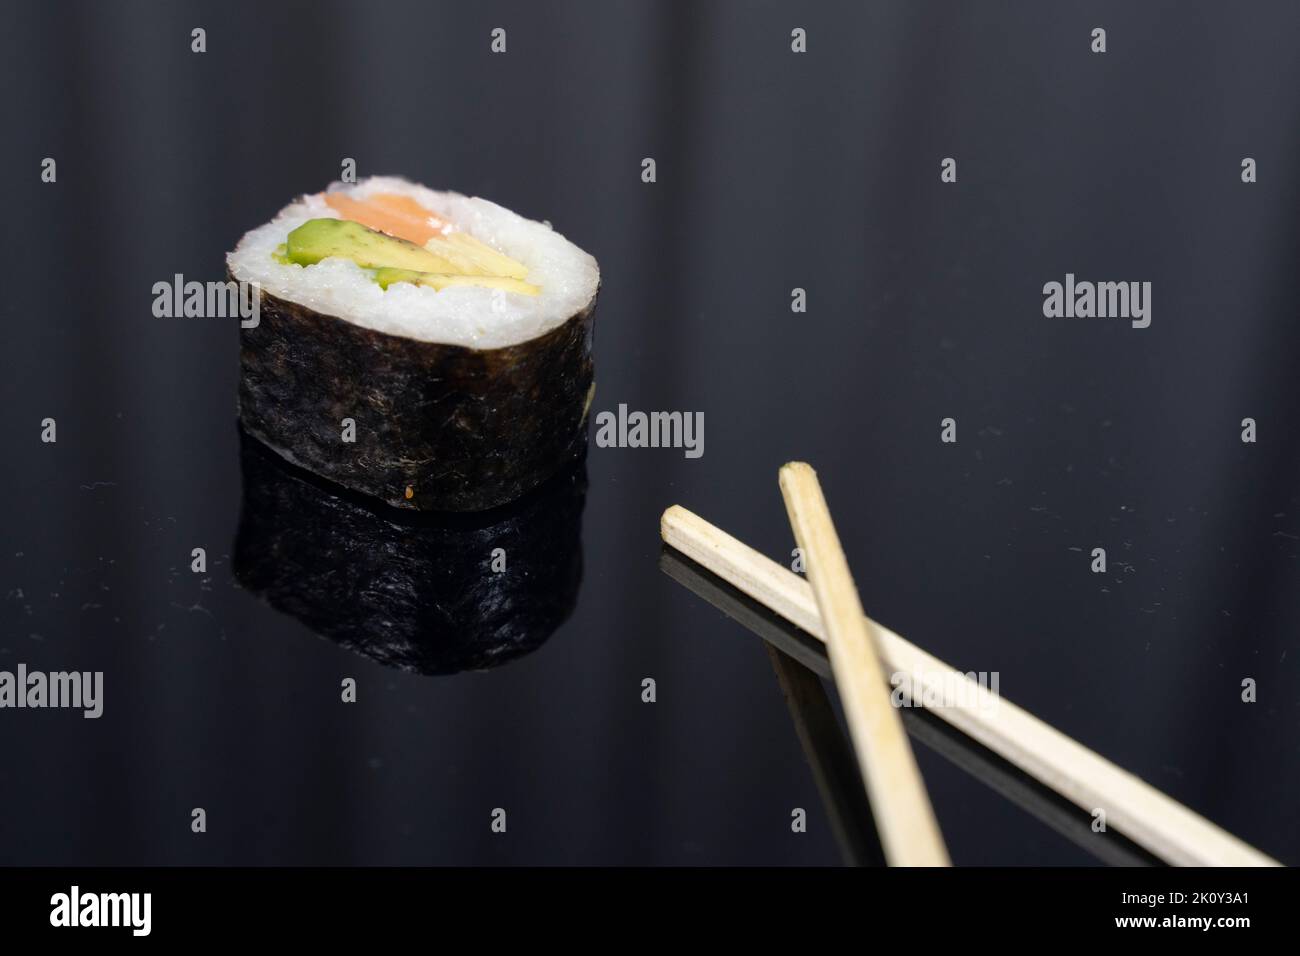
<point x="405" y="219"/>
<point x="406" y="206"/>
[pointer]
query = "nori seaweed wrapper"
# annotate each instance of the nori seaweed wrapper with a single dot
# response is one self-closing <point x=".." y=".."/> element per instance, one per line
<point x="413" y="591"/>
<point x="438" y="427"/>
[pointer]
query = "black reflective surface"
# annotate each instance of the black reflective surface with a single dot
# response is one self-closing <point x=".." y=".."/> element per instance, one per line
<point x="775" y="171"/>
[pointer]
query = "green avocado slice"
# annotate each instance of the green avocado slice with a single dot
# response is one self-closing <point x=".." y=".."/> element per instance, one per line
<point x="388" y="259"/>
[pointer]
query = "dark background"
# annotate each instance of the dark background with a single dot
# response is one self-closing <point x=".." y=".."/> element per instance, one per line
<point x="775" y="170"/>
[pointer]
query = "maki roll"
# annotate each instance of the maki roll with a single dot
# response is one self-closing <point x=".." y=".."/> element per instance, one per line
<point x="424" y="348"/>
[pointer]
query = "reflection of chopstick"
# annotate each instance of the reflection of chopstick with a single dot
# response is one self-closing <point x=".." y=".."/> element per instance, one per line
<point x="831" y="759"/>
<point x="1148" y="817"/>
<point x="800" y="664"/>
<point x="899" y="802"/>
<point x="803" y="662"/>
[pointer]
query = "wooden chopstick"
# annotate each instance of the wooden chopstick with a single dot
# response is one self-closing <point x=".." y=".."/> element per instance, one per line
<point x="905" y="820"/>
<point x="792" y="645"/>
<point x="1146" y="816"/>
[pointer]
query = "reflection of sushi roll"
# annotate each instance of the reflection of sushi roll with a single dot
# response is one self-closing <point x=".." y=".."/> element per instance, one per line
<point x="428" y="349"/>
<point x="425" y="593"/>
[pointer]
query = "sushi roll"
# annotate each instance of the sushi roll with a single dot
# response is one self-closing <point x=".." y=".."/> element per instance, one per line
<point x="411" y="590"/>
<point x="424" y="348"/>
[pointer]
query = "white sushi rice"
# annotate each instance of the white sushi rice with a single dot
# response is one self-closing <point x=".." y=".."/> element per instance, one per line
<point x="471" y="316"/>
